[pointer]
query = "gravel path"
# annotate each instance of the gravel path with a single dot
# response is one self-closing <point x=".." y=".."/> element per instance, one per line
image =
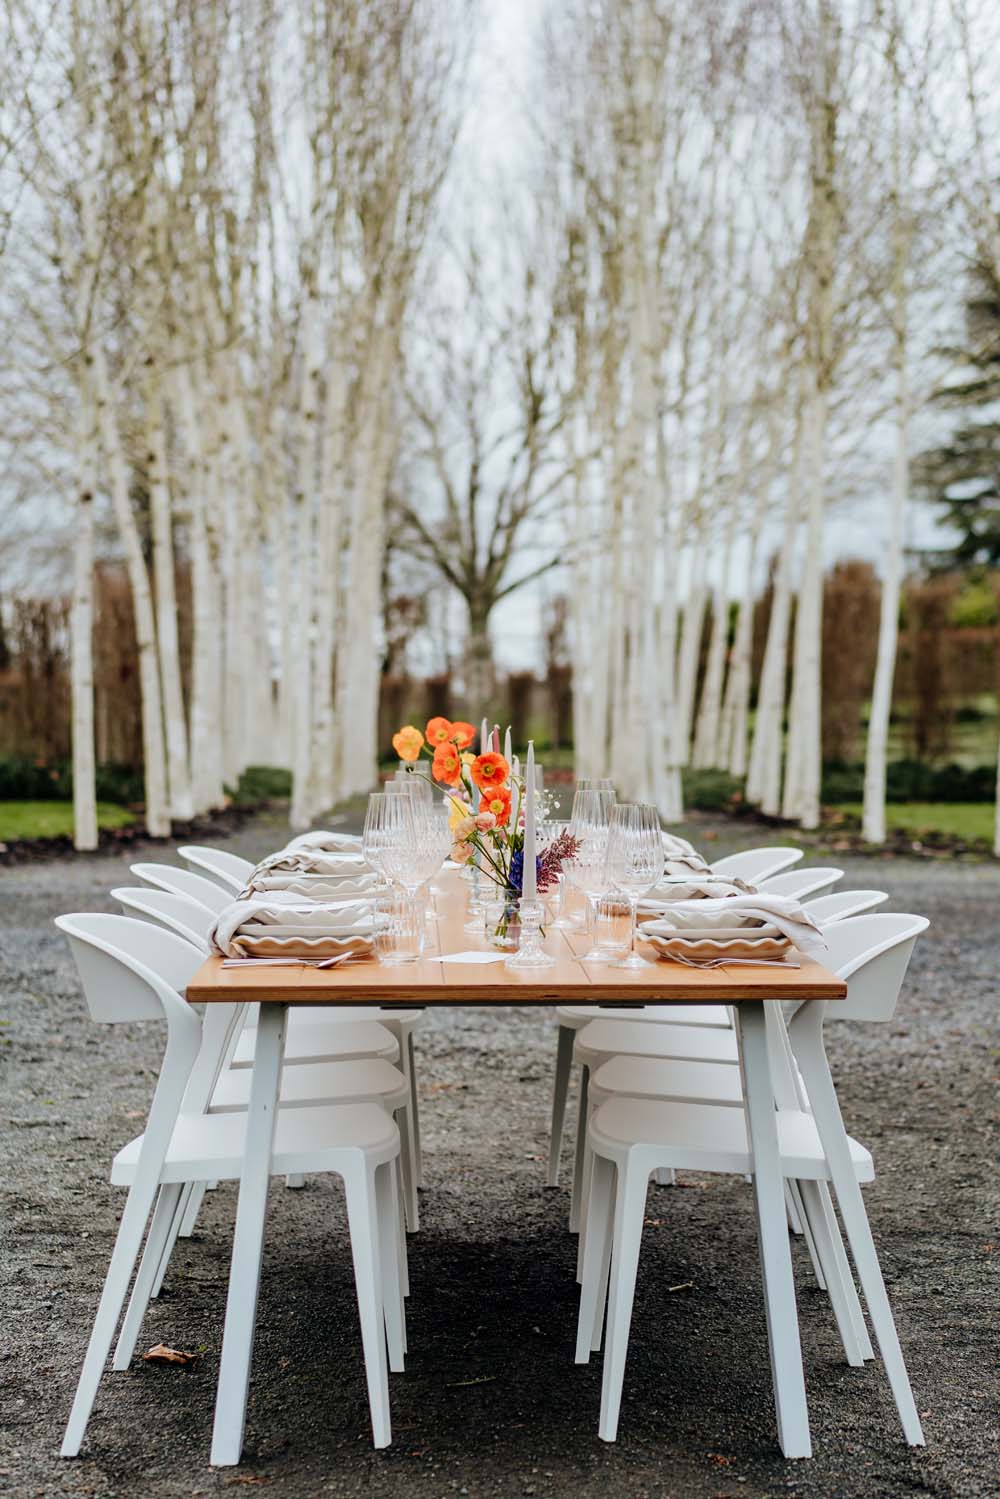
<point x="491" y="1402"/>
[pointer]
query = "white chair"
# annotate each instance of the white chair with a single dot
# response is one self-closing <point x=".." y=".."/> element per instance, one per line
<point x="122" y="964"/>
<point x="225" y="869"/>
<point x="571" y="1018"/>
<point x="800" y="884"/>
<point x="631" y="1137"/>
<point x="170" y="877"/>
<point x="167" y="908"/>
<point x="309" y="1038"/>
<point x="843" y="903"/>
<point x="755" y="864"/>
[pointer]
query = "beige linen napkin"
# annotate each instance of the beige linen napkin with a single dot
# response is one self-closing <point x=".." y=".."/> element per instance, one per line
<point x="788" y="915"/>
<point x="279" y="925"/>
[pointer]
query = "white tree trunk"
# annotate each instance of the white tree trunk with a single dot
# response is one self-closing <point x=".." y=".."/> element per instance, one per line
<point x="764" y="769"/>
<point x="873" y="819"/>
<point x="81" y="635"/>
<point x="178" y="767"/>
<point x="805" y="753"/>
<point x="706" y="742"/>
<point x="692" y="624"/>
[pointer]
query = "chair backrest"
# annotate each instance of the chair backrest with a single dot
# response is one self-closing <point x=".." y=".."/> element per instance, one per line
<point x="871" y="953"/>
<point x="131" y="970"/>
<point x="168" y="908"/>
<point x="841" y="903"/>
<point x="756" y="864"/>
<point x="801" y="883"/>
<point x="225" y="869"/>
<point x="168" y="877"/>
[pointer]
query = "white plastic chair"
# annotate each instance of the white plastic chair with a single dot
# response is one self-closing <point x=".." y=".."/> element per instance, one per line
<point x="359" y="1142"/>
<point x="217" y="864"/>
<point x="755" y="864"/>
<point x="630" y="1137"/>
<point x="170" y="877"/>
<point x="844" y="903"/>
<point x="167" y="908"/>
<point x="800" y="884"/>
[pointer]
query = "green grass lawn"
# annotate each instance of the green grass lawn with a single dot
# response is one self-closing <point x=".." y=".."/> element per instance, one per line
<point x="967" y="820"/>
<point x="53" y="819"/>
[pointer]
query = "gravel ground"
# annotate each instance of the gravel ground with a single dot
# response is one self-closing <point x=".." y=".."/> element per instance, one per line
<point x="491" y="1402"/>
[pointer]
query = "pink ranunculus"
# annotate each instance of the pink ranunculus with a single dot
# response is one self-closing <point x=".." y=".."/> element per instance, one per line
<point x="485" y="821"/>
<point x="461" y="852"/>
<point x="463" y="828"/>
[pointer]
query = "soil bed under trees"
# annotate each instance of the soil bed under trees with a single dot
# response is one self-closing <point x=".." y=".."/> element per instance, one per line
<point x="491" y="1402"/>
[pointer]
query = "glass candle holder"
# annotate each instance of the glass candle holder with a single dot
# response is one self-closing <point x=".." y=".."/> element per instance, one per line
<point x="530" y="952"/>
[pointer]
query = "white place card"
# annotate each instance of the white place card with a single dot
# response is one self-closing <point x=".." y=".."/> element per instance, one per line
<point x="473" y="957"/>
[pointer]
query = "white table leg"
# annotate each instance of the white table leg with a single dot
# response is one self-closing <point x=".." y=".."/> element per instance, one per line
<point x="772" y="1236"/>
<point x="248" y="1238"/>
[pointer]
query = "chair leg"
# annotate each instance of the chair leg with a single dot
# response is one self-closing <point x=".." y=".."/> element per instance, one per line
<point x="193" y="1194"/>
<point x="404" y="1268"/>
<point x="596" y="1236"/>
<point x="560" y="1092"/>
<point x="793" y="1209"/>
<point x="826" y="1110"/>
<point x="418" y="1149"/>
<point x="581" y="1146"/>
<point x="388" y="1242"/>
<point x="630" y="1201"/>
<point x="408" y="1169"/>
<point x="839" y="1255"/>
<point x="586" y="1171"/>
<point x="834" y="1284"/>
<point x="169" y="1205"/>
<point x="123" y="1258"/>
<point x="173" y="1233"/>
<point x="362" y="1217"/>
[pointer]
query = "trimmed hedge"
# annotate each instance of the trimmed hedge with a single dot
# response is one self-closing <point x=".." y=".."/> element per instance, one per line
<point x="25" y="780"/>
<point x="913" y="781"/>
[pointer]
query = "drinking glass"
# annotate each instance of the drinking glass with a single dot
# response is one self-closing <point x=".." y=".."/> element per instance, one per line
<point x="591" y="783"/>
<point x="397" y="928"/>
<point x="612" y="926"/>
<point x="589" y="823"/>
<point x="634" y="863"/>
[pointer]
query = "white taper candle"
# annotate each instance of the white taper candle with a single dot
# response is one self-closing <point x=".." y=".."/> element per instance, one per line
<point x="529" y="887"/>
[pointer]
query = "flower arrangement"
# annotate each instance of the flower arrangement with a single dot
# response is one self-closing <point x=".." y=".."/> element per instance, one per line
<point x="486" y="804"/>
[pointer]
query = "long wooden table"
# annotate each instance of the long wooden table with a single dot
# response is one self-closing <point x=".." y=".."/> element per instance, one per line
<point x="568" y="981"/>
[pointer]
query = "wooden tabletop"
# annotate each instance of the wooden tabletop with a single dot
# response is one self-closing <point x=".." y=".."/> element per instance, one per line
<point x="568" y="981"/>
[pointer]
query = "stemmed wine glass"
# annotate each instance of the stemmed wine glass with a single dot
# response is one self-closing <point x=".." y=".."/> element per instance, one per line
<point x="588" y="824"/>
<point x="634" y="862"/>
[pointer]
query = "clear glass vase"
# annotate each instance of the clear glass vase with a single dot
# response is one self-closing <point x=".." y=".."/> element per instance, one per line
<point x="503" y="922"/>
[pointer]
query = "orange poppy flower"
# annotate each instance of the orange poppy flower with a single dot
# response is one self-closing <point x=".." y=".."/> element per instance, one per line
<point x="408" y="743"/>
<point x="446" y="767"/>
<point x="462" y="734"/>
<point x="497" y="801"/>
<point x="438" y="731"/>
<point x="489" y="770"/>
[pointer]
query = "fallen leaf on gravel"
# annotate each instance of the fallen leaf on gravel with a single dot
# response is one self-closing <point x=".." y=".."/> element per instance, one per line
<point x="719" y="1459"/>
<point x="245" y="1478"/>
<point x="161" y="1354"/>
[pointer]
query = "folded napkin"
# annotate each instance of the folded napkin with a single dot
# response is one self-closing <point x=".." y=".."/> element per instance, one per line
<point x="791" y="918"/>
<point x="312" y="886"/>
<point x="334" y="866"/>
<point x="327" y="842"/>
<point x="681" y="854"/>
<point x="282" y="925"/>
<point x="669" y="893"/>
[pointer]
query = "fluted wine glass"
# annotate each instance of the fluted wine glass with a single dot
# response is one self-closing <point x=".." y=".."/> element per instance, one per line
<point x="589" y="822"/>
<point x="634" y="862"/>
